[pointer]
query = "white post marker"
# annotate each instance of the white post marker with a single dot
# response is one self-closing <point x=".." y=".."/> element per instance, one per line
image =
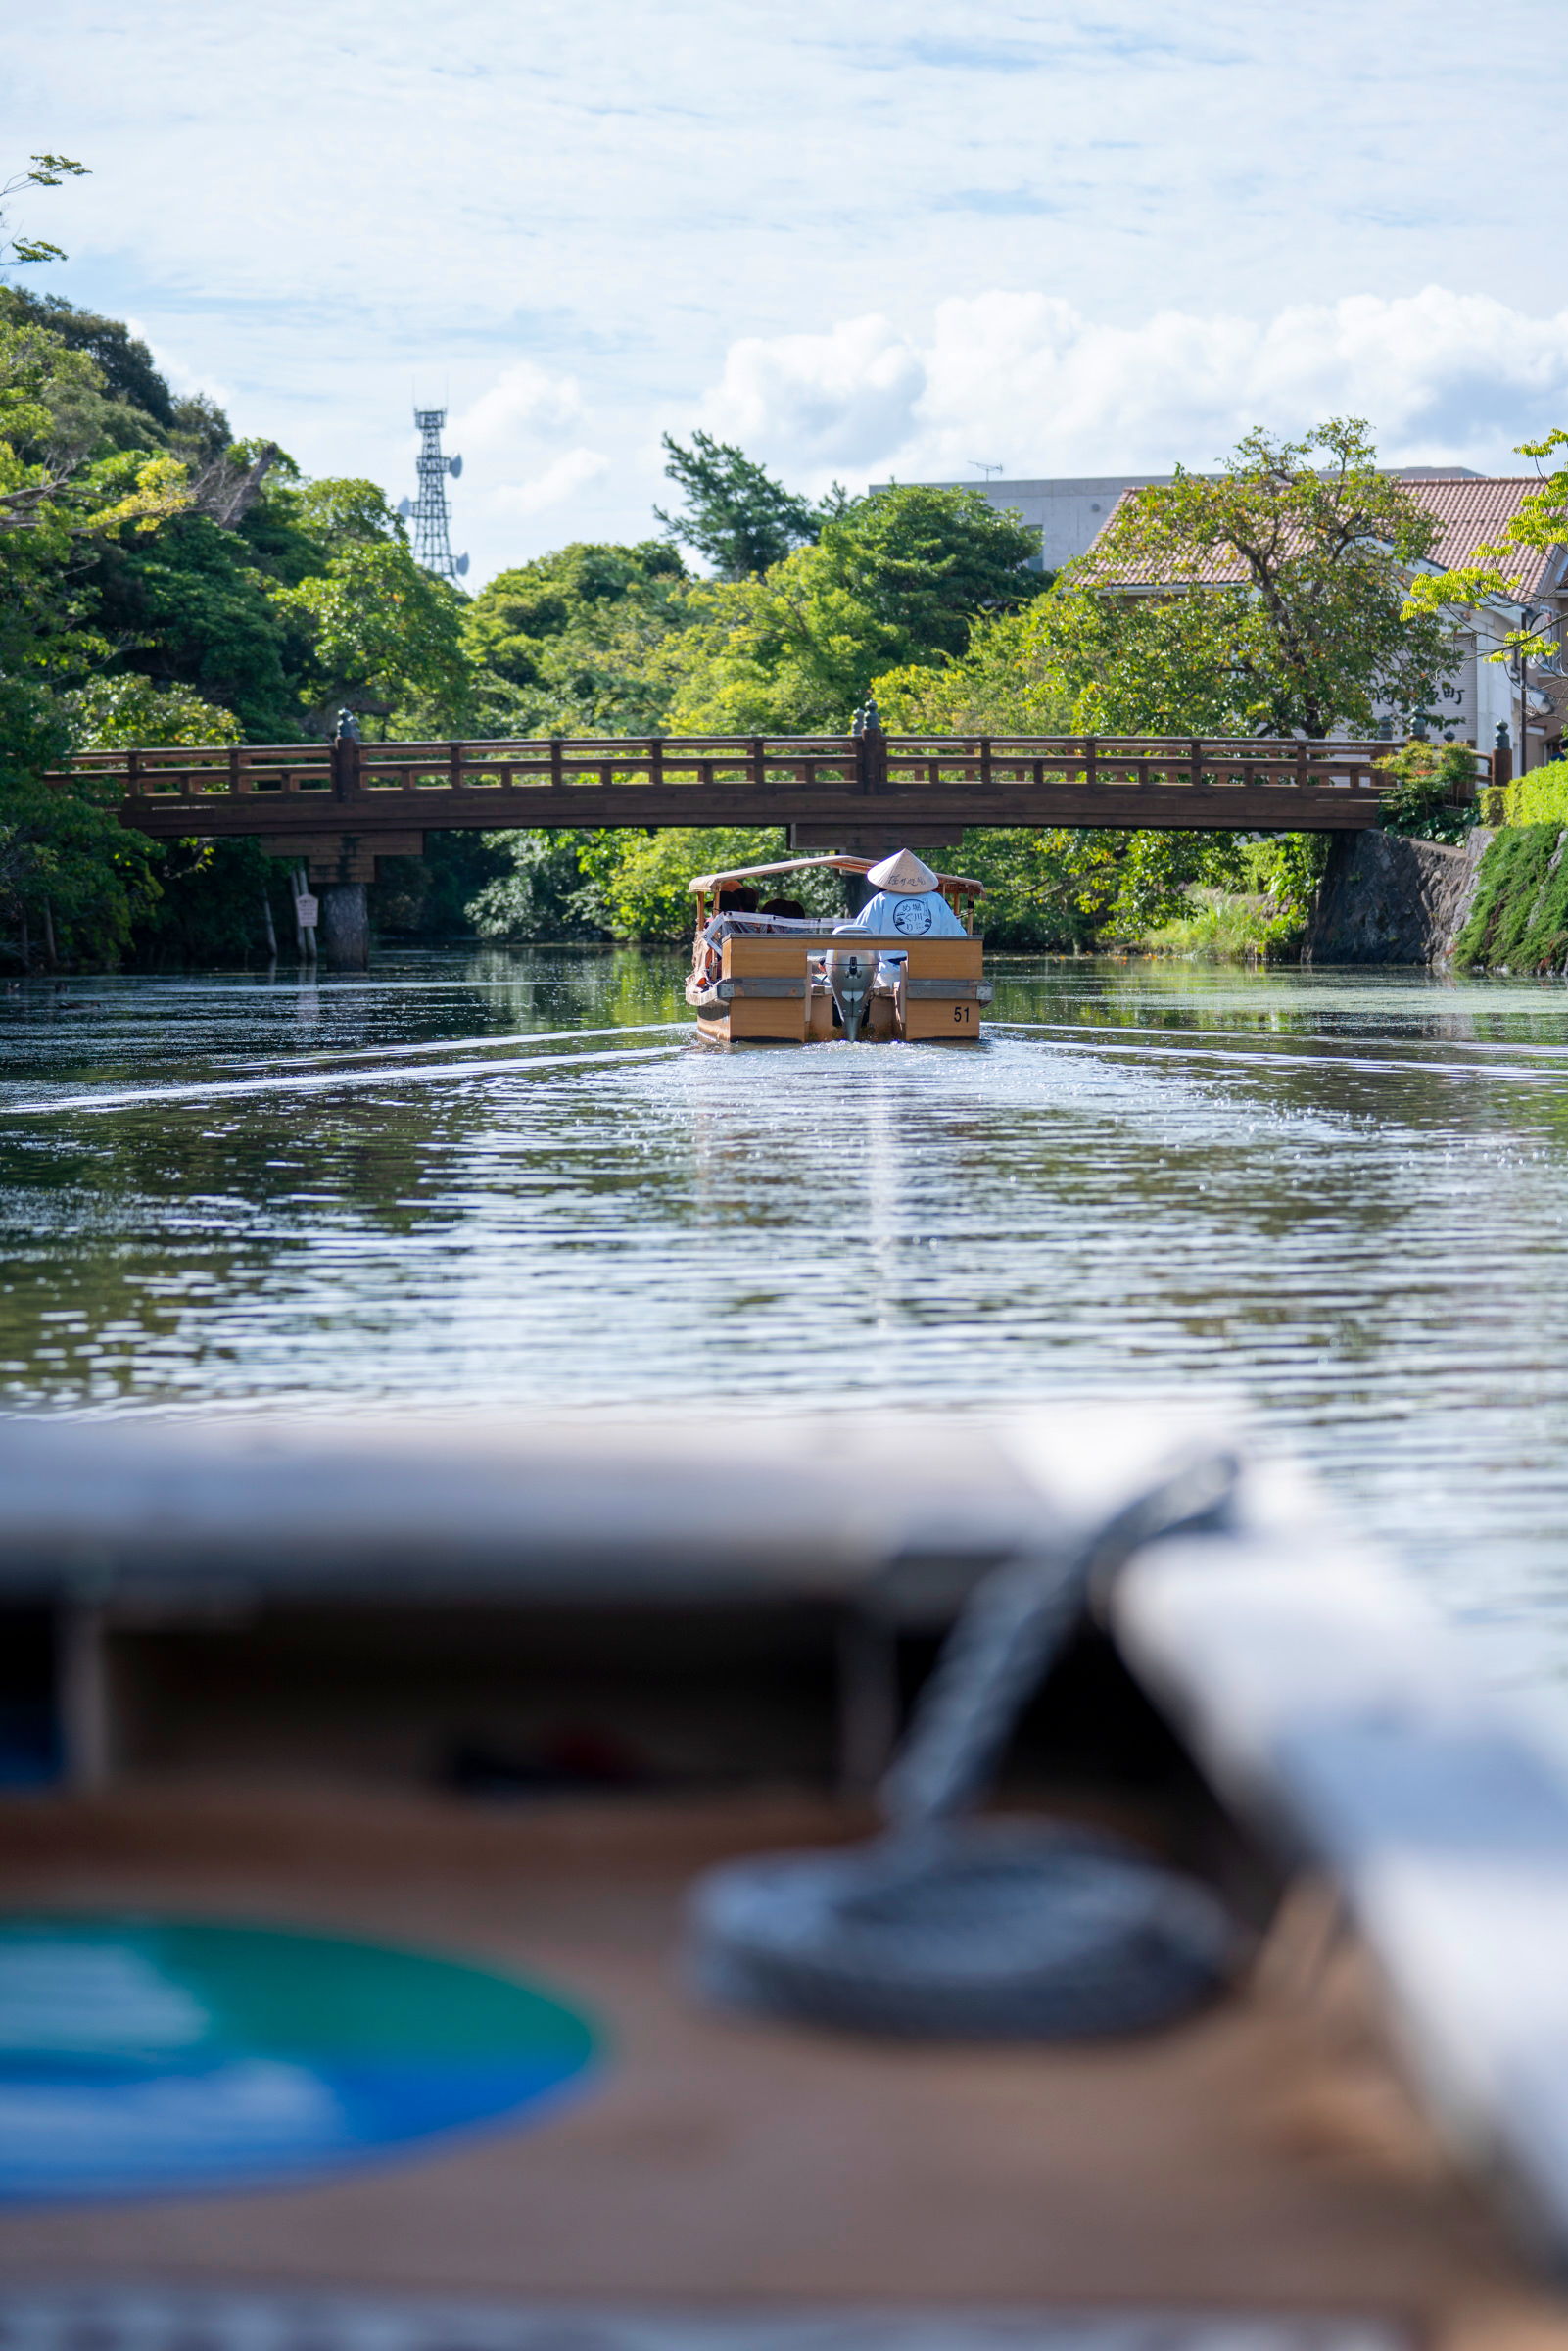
<point x="305" y="911"/>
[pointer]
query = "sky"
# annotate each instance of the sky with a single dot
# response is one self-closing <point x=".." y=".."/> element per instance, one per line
<point x="897" y="240"/>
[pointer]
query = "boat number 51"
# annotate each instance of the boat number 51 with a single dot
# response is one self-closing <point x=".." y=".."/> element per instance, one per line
<point x="961" y="1014"/>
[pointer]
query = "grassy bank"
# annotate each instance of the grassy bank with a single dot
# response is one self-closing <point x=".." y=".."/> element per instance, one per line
<point x="1519" y="922"/>
<point x="1221" y="927"/>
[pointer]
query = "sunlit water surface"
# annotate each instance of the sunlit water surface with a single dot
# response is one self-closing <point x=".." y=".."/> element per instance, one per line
<point x="1340" y="1199"/>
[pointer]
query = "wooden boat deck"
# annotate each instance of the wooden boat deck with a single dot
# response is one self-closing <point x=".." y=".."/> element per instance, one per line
<point x="1264" y="2157"/>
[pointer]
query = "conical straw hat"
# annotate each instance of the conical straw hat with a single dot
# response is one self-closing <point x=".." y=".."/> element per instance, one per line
<point x="902" y="871"/>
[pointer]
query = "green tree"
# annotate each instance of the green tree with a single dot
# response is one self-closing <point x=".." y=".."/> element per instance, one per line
<point x="736" y="516"/>
<point x="159" y="580"/>
<point x="72" y="880"/>
<point x="541" y="890"/>
<point x="372" y="629"/>
<point x="1066" y="887"/>
<point x="128" y="372"/>
<point x="570" y="643"/>
<point x="189" y="612"/>
<point x="116" y="713"/>
<point x="644" y="879"/>
<point x="1419" y="804"/>
<point x="1005" y="683"/>
<point x="1268" y="598"/>
<point x="894" y="580"/>
<point x="48" y="172"/>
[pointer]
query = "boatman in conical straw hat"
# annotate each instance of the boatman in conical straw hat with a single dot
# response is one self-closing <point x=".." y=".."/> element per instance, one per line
<point x="908" y="903"/>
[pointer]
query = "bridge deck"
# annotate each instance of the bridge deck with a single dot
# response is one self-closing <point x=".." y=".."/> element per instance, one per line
<point x="359" y="800"/>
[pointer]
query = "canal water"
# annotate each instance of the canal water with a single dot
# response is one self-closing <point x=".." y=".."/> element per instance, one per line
<point x="1338" y="1200"/>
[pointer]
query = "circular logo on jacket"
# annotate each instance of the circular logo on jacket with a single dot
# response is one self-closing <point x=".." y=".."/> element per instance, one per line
<point x="162" y="2056"/>
<point x="913" y="917"/>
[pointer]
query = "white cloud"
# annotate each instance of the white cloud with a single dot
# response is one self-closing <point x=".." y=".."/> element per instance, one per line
<point x="561" y="480"/>
<point x="1026" y="380"/>
<point x="528" y="209"/>
<point x="831" y="398"/>
<point x="526" y="403"/>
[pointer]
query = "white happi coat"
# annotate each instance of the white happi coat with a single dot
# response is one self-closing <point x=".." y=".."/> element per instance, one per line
<point x="905" y="913"/>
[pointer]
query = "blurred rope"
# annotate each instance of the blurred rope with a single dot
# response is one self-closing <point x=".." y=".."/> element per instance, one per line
<point x="952" y="1927"/>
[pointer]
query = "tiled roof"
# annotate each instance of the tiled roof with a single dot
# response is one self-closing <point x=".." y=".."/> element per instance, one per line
<point x="1472" y="513"/>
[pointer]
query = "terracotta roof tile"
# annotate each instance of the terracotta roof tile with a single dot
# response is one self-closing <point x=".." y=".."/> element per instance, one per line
<point x="1472" y="513"/>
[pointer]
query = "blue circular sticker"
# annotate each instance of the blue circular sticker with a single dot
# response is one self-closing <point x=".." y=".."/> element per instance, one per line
<point x="151" y="2057"/>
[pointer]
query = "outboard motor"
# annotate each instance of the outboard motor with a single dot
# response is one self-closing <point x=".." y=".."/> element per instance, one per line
<point x="851" y="972"/>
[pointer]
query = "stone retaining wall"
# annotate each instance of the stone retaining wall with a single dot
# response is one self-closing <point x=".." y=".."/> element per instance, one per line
<point x="1386" y="899"/>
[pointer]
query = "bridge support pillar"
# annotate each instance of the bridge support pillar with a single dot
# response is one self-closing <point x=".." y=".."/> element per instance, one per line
<point x="345" y="927"/>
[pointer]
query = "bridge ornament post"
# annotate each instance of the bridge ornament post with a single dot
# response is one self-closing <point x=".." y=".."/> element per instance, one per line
<point x="871" y="746"/>
<point x="344" y="927"/>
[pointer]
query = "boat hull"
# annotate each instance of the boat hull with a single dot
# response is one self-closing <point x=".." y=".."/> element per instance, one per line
<point x="766" y="992"/>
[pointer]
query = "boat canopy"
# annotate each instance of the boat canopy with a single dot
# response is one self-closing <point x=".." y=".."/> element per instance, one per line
<point x="704" y="882"/>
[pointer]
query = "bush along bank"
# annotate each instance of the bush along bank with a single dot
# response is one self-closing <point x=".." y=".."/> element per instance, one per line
<point x="1519" y="920"/>
<point x="1540" y="797"/>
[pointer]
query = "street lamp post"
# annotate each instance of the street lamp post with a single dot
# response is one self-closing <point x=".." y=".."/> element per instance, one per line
<point x="1529" y="614"/>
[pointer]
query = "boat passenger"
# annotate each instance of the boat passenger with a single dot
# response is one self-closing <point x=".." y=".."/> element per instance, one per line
<point x="907" y="901"/>
<point x="790" y="908"/>
<point x="738" y="901"/>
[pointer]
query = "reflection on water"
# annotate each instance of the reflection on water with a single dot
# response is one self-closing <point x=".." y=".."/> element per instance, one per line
<point x="515" y="1178"/>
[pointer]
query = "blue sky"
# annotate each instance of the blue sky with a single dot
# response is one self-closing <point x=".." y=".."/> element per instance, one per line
<point x="886" y="240"/>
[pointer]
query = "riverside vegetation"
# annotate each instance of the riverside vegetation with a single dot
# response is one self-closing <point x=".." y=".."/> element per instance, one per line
<point x="163" y="581"/>
<point x="1518" y="919"/>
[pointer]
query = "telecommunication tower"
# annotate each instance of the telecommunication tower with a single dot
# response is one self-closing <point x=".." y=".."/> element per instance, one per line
<point x="432" y="542"/>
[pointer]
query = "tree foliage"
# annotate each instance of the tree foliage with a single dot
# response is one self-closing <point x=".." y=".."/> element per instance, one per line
<point x="46" y="172"/>
<point x="1268" y="598"/>
<point x="893" y="580"/>
<point x="375" y="631"/>
<point x="1419" y="806"/>
<point x="571" y="643"/>
<point x="1271" y="599"/>
<point x="123" y="712"/>
<point x="541" y="890"/>
<point x="161" y="581"/>
<point x="736" y="516"/>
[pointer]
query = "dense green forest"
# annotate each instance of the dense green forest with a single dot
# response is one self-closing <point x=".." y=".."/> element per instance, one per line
<point x="164" y="582"/>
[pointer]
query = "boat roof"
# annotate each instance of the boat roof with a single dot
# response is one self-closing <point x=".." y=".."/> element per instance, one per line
<point x="810" y="865"/>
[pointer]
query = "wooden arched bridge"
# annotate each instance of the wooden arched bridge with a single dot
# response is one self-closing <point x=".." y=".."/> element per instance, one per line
<point x="342" y="806"/>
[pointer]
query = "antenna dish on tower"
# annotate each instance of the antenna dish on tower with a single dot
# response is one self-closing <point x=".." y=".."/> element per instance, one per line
<point x="432" y="542"/>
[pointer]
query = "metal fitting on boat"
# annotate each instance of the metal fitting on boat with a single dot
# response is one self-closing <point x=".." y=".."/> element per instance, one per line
<point x="851" y="975"/>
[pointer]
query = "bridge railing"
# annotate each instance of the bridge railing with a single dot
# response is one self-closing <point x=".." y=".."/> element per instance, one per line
<point x="192" y="771"/>
<point x="869" y="763"/>
<point x="1139" y="763"/>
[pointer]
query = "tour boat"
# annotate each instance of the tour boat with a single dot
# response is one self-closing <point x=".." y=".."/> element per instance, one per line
<point x="770" y="970"/>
